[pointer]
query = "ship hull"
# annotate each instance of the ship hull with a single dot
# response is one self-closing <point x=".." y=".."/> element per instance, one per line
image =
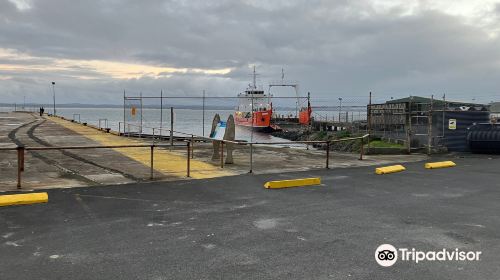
<point x="260" y="120"/>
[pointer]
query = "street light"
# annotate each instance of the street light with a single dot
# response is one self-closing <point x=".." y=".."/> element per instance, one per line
<point x="340" y="107"/>
<point x="54" y="96"/>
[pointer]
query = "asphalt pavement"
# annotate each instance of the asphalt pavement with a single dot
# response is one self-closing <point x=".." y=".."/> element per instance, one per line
<point x="233" y="228"/>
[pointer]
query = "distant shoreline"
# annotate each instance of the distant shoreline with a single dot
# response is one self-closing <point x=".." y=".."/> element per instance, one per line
<point x="95" y="106"/>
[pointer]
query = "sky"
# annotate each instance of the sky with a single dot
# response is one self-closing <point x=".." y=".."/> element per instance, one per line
<point x="95" y="49"/>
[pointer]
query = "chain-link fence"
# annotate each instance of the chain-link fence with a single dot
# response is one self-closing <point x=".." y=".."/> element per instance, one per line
<point x="132" y="115"/>
<point x="427" y="124"/>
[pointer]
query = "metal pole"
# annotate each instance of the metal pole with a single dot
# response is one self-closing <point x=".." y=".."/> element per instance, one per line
<point x="361" y="150"/>
<point x="192" y="146"/>
<point x="152" y="162"/>
<point x="20" y="164"/>
<point x="297" y="103"/>
<point x="221" y="154"/>
<point x="203" y="122"/>
<point x="328" y="155"/>
<point x="251" y="159"/>
<point x="153" y="138"/>
<point x="444" y="114"/>
<point x="340" y="108"/>
<point x="171" y="126"/>
<point x="251" y="141"/>
<point x="161" y="111"/>
<point x="429" y="120"/>
<point x="140" y="131"/>
<point x="54" y="96"/>
<point x="369" y="118"/>
<point x="188" y="159"/>
<point x="124" y="112"/>
<point x="408" y="129"/>
<point x="309" y="119"/>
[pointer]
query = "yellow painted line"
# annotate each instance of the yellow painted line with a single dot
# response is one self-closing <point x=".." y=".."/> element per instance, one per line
<point x="27" y="198"/>
<point x="165" y="161"/>
<point x="390" y="169"/>
<point x="440" y="164"/>
<point x="292" y="183"/>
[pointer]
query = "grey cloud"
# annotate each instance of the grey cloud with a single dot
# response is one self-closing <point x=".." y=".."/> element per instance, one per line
<point x="334" y="48"/>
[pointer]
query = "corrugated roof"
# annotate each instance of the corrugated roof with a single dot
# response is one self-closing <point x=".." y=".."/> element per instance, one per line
<point x="426" y="100"/>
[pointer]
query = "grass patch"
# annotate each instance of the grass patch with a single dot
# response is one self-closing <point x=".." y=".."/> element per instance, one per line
<point x="344" y="134"/>
<point x="384" y="144"/>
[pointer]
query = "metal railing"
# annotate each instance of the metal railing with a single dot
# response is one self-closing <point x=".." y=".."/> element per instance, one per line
<point x="21" y="150"/>
<point x="74" y="118"/>
<point x="105" y="121"/>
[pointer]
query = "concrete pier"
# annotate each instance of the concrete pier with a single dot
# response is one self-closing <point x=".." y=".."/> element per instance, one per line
<point x="87" y="167"/>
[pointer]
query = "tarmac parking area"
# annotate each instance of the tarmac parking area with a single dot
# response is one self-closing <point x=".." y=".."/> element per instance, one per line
<point x="233" y="228"/>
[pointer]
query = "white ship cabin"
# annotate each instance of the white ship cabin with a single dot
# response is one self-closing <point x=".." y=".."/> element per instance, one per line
<point x="260" y="101"/>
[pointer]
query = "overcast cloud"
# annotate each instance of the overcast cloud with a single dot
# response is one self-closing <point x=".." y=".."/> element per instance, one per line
<point x="95" y="49"/>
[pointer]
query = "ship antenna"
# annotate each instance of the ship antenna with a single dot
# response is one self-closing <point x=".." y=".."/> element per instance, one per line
<point x="254" y="78"/>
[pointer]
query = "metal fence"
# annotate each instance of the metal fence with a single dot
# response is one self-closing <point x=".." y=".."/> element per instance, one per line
<point x="189" y="145"/>
<point x="424" y="123"/>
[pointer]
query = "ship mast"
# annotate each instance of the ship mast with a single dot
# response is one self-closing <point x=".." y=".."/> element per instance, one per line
<point x="254" y="78"/>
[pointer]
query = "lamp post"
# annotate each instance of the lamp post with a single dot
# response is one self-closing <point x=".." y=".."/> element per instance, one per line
<point x="54" y="96"/>
<point x="340" y="107"/>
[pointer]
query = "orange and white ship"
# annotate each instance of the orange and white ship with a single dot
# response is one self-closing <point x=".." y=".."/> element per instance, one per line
<point x="254" y="108"/>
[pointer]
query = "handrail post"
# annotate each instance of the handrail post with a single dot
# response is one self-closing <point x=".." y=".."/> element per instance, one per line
<point x="152" y="162"/>
<point x="361" y="149"/>
<point x="188" y="159"/>
<point x="171" y="126"/>
<point x="192" y="146"/>
<point x="222" y="154"/>
<point x="153" y="139"/>
<point x="20" y="164"/>
<point x="327" y="154"/>
<point x="251" y="158"/>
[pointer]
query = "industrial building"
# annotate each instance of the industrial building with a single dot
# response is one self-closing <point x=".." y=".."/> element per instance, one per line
<point x="426" y="123"/>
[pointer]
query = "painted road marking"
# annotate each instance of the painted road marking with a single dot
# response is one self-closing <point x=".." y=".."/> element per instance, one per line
<point x="165" y="162"/>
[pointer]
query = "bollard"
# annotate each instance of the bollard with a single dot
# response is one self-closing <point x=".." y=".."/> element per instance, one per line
<point x="361" y="150"/>
<point x="188" y="158"/>
<point x="328" y="155"/>
<point x="152" y="162"/>
<point x="20" y="164"/>
<point x="221" y="154"/>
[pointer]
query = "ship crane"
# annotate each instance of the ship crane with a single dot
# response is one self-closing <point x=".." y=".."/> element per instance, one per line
<point x="285" y="83"/>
